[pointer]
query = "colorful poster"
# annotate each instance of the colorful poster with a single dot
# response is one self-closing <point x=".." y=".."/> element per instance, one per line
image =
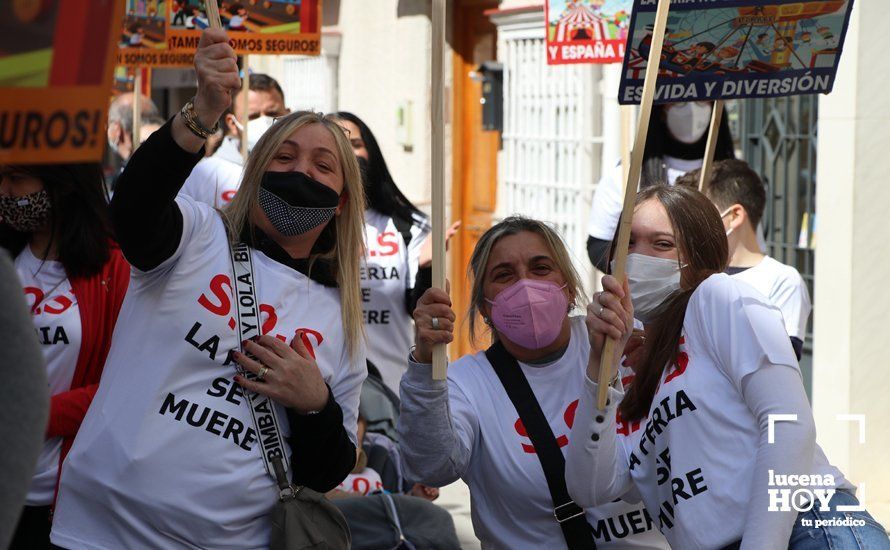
<point x="586" y="31"/>
<point x="125" y="80"/>
<point x="143" y="38"/>
<point x="738" y="49"/>
<point x="254" y="26"/>
<point x="55" y="75"/>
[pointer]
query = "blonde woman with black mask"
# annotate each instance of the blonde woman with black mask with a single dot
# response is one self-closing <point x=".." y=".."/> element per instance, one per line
<point x="170" y="454"/>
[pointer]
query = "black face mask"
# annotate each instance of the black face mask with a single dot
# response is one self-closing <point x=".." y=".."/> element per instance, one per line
<point x="296" y="203"/>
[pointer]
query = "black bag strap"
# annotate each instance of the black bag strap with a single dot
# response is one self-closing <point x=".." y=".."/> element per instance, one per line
<point x="570" y="516"/>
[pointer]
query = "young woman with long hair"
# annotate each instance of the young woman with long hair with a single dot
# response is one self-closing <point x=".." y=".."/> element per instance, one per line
<point x="698" y="440"/>
<point x="172" y="453"/>
<point x="54" y="221"/>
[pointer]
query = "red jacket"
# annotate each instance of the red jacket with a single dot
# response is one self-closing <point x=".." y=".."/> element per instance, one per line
<point x="99" y="300"/>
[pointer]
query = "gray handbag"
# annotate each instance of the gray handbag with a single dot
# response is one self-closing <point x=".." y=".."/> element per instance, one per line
<point x="302" y="518"/>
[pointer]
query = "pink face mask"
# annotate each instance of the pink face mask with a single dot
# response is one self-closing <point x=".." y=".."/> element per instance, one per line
<point x="530" y="313"/>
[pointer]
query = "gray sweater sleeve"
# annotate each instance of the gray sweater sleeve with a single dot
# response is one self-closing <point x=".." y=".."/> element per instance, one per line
<point x="24" y="399"/>
<point x="438" y="428"/>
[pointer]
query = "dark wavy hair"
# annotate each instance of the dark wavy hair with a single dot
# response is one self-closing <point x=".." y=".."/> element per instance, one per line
<point x="382" y="192"/>
<point x="78" y="218"/>
<point x="701" y="241"/>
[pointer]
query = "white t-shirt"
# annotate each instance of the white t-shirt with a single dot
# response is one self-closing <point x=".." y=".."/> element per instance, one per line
<point x="390" y="270"/>
<point x="213" y="181"/>
<point x="167" y="455"/>
<point x="511" y="503"/>
<point x="608" y="200"/>
<point x="57" y="323"/>
<point x="362" y="483"/>
<point x="693" y="458"/>
<point x="783" y="286"/>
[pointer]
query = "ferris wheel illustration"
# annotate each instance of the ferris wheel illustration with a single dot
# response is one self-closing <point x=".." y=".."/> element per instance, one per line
<point x="753" y="39"/>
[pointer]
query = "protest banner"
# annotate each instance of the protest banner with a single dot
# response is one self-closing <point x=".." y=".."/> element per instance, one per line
<point x="280" y="27"/>
<point x="56" y="64"/>
<point x="143" y="38"/>
<point x="437" y="195"/>
<point x="586" y="31"/>
<point x="738" y="49"/>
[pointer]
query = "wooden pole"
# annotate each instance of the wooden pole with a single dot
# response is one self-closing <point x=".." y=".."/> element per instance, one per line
<point x="245" y="104"/>
<point x="626" y="129"/>
<point x="137" y="109"/>
<point x="213" y="14"/>
<point x="713" y="134"/>
<point x="437" y="112"/>
<point x="630" y="189"/>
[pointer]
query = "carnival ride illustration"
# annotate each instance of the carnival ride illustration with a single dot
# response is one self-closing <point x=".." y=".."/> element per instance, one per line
<point x="144" y="22"/>
<point x="744" y="40"/>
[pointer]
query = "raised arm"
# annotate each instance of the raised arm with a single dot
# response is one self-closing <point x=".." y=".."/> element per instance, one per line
<point x="147" y="222"/>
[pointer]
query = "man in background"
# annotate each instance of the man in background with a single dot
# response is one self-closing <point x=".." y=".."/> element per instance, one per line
<point x="739" y="194"/>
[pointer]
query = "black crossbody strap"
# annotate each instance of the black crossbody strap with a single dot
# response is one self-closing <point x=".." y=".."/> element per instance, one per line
<point x="570" y="516"/>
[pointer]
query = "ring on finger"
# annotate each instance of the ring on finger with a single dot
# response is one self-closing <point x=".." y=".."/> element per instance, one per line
<point x="599" y="312"/>
<point x="435" y="322"/>
<point x="262" y="374"/>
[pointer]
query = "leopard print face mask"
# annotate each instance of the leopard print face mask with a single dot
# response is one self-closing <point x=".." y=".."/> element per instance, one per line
<point x="26" y="213"/>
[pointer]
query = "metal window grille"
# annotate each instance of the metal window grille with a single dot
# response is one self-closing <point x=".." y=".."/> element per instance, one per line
<point x="552" y="140"/>
<point x="778" y="138"/>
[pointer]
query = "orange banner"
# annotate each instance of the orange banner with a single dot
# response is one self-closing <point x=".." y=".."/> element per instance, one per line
<point x="56" y="63"/>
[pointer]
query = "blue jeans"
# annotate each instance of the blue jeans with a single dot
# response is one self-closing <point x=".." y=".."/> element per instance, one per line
<point x="865" y="534"/>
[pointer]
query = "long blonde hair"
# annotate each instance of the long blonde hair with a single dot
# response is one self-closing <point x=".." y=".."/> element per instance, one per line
<point x="512" y="226"/>
<point x="348" y="228"/>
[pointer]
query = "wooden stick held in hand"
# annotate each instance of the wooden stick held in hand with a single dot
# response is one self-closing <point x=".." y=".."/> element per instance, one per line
<point x="213" y="14"/>
<point x="630" y="189"/>
<point x="438" y="168"/>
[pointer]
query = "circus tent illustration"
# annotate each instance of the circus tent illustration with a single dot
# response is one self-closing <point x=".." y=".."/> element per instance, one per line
<point x="580" y="21"/>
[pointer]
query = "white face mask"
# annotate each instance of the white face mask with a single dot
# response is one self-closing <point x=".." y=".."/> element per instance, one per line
<point x="652" y="281"/>
<point x="688" y="122"/>
<point x="723" y="215"/>
<point x="255" y="129"/>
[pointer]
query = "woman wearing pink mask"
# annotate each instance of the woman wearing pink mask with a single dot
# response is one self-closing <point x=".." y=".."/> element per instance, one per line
<point x="502" y="418"/>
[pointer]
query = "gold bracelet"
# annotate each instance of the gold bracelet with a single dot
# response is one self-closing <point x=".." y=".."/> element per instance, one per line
<point x="190" y="118"/>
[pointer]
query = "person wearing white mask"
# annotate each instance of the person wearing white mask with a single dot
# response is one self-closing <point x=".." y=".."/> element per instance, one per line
<point x="215" y="180"/>
<point x="739" y="195"/>
<point x="678" y="133"/>
<point x="693" y="434"/>
<point x="501" y="419"/>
